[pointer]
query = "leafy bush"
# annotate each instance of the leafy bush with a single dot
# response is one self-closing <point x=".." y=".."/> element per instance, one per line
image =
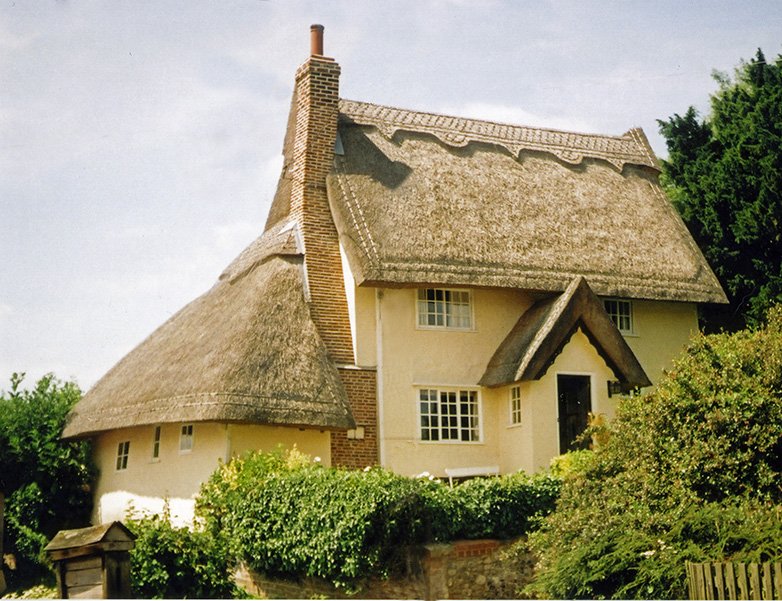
<point x="690" y="471"/>
<point x="46" y="480"/>
<point x="288" y="516"/>
<point x="501" y="507"/>
<point x="171" y="562"/>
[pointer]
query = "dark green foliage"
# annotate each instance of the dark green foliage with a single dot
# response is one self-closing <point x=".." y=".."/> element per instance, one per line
<point x="690" y="472"/>
<point x="725" y="177"/>
<point x="46" y="481"/>
<point x="288" y="516"/>
<point x="501" y="507"/>
<point x="177" y="563"/>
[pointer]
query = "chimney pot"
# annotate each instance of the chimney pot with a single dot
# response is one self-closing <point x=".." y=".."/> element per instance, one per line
<point x="316" y="40"/>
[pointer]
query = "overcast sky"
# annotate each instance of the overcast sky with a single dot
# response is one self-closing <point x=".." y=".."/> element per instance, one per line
<point x="140" y="141"/>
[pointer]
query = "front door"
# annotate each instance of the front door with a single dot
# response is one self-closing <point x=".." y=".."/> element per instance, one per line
<point x="574" y="399"/>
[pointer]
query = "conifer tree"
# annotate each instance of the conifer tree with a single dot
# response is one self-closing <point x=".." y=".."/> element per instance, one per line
<point x="724" y="174"/>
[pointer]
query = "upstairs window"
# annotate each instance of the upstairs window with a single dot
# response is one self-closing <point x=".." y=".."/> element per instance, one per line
<point x="449" y="415"/>
<point x="186" y="439"/>
<point x="621" y="313"/>
<point x="123" y="451"/>
<point x="441" y="308"/>
<point x="515" y="405"/>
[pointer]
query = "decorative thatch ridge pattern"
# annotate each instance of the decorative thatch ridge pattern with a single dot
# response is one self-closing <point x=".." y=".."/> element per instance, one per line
<point x="412" y="209"/>
<point x="246" y="351"/>
<point x="540" y="334"/>
<point x="571" y="147"/>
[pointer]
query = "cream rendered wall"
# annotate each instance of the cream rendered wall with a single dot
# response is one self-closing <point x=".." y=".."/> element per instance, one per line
<point x="146" y="482"/>
<point x="661" y="332"/>
<point x="532" y="444"/>
<point x="365" y="341"/>
<point x="413" y="358"/>
<point x="243" y="438"/>
<point x="177" y="476"/>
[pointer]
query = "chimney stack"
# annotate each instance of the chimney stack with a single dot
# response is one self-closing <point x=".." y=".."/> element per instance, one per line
<point x="316" y="40"/>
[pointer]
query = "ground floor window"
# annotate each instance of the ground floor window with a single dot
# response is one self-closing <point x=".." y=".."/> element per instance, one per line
<point x="449" y="415"/>
<point x="156" y="444"/>
<point x="515" y="405"/>
<point x="123" y="451"/>
<point x="186" y="439"/>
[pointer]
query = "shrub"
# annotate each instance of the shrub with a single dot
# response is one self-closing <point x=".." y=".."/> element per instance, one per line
<point x="288" y="516"/>
<point x="690" y="471"/>
<point x="46" y="480"/>
<point x="171" y="562"/>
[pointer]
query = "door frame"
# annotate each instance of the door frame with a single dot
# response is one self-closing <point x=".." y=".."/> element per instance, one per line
<point x="591" y="377"/>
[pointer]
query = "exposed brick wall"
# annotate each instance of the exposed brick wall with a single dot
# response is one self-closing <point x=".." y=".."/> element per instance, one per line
<point x="317" y="97"/>
<point x="461" y="570"/>
<point x="361" y="386"/>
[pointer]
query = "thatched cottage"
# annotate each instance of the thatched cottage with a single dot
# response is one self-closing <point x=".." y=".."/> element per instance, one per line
<point x="429" y="293"/>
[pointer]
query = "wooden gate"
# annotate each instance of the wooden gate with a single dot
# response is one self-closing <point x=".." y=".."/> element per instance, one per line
<point x="728" y="580"/>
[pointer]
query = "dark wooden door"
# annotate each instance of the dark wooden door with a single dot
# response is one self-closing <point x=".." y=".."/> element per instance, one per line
<point x="574" y="398"/>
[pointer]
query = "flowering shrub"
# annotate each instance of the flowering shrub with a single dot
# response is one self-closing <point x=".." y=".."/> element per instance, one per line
<point x="690" y="472"/>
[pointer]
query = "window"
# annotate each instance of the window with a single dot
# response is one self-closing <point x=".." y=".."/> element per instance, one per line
<point x="515" y="405"/>
<point x="123" y="450"/>
<point x="186" y="439"/>
<point x="621" y="313"/>
<point x="156" y="444"/>
<point x="440" y="308"/>
<point x="449" y="415"/>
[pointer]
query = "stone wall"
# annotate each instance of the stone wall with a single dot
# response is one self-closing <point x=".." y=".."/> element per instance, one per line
<point x="480" y="569"/>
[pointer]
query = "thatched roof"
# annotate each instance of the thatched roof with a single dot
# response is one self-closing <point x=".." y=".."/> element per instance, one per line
<point x="246" y="351"/>
<point x="422" y="198"/>
<point x="546" y="327"/>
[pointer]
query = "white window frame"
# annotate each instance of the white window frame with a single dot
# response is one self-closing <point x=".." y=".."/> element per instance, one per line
<point x="156" y="436"/>
<point x="452" y="306"/>
<point x="431" y="401"/>
<point x="623" y="320"/>
<point x="123" y="452"/>
<point x="514" y="405"/>
<point x="186" y="438"/>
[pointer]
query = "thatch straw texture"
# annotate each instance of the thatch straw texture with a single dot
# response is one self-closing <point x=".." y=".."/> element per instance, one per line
<point x="546" y="327"/>
<point x="490" y="205"/>
<point x="246" y="351"/>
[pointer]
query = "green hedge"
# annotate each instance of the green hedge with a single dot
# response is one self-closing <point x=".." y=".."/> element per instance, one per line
<point x="286" y="515"/>
<point x="170" y="562"/>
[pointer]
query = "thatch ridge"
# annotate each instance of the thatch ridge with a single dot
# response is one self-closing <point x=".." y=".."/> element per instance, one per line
<point x="245" y="351"/>
<point x="546" y="327"/>
<point x="568" y="146"/>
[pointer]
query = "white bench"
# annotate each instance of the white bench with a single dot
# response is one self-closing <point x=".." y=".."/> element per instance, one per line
<point x="470" y="472"/>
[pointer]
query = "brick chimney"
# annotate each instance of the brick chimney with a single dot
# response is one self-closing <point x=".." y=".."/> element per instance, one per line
<point x="316" y="99"/>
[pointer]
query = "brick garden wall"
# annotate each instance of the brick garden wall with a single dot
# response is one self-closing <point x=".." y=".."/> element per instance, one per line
<point x="483" y="569"/>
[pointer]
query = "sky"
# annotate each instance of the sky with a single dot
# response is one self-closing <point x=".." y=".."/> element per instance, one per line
<point x="140" y="140"/>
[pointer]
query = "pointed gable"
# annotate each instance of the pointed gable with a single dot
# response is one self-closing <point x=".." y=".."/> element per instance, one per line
<point x="546" y="327"/>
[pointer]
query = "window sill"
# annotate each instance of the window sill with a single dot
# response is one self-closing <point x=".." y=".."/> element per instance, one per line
<point x="444" y="329"/>
<point x="451" y="442"/>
